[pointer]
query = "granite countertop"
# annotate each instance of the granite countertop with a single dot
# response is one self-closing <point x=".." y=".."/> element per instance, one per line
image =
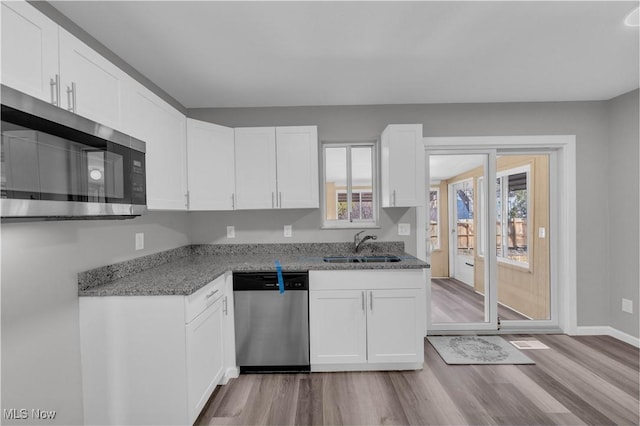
<point x="184" y="270"/>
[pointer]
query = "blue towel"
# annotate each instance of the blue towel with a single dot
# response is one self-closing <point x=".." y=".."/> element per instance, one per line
<point x="280" y="279"/>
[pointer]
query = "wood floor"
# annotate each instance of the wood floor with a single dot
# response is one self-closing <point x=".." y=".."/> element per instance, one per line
<point x="579" y="380"/>
<point x="455" y="301"/>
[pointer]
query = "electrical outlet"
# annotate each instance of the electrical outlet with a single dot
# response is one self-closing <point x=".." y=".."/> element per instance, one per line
<point x="542" y="232"/>
<point x="287" y="231"/>
<point x="139" y="240"/>
<point x="404" y="229"/>
<point x="231" y="231"/>
<point x="627" y="306"/>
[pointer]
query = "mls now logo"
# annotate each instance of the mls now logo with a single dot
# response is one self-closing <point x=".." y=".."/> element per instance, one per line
<point x="23" y="414"/>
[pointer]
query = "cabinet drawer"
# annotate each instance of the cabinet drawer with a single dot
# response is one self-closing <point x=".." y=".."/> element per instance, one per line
<point x="197" y="302"/>
<point x="367" y="279"/>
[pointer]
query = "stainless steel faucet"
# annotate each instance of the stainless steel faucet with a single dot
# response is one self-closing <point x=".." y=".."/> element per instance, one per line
<point x="357" y="241"/>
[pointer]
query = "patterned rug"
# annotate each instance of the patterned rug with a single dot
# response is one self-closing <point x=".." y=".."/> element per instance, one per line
<point x="477" y="350"/>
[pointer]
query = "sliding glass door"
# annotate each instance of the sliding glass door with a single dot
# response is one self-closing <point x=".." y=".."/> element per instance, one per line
<point x="488" y="239"/>
<point x="458" y="185"/>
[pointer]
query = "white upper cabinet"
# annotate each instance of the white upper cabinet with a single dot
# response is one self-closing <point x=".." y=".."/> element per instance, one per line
<point x="29" y="51"/>
<point x="45" y="61"/>
<point x="255" y="168"/>
<point x="210" y="161"/>
<point x="163" y="128"/>
<point x="402" y="166"/>
<point x="91" y="86"/>
<point x="276" y="167"/>
<point x="297" y="161"/>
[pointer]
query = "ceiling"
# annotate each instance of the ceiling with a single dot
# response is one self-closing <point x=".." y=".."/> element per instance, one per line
<point x="239" y="54"/>
<point x="443" y="167"/>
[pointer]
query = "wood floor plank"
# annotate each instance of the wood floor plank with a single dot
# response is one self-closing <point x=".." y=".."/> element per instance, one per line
<point x="572" y="383"/>
<point x="284" y="398"/>
<point x="529" y="389"/>
<point x="462" y="386"/>
<point x="424" y="399"/>
<point x="587" y="386"/>
<point x="455" y="301"/>
<point x="309" y="404"/>
<point x="613" y="348"/>
<point x="610" y="370"/>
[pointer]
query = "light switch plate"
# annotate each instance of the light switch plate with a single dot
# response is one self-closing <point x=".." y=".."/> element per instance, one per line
<point x="287" y="231"/>
<point x="404" y="229"/>
<point x="542" y="232"/>
<point x="627" y="306"/>
<point x="231" y="231"/>
<point x="139" y="240"/>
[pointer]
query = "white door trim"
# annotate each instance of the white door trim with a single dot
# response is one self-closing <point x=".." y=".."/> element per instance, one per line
<point x="565" y="215"/>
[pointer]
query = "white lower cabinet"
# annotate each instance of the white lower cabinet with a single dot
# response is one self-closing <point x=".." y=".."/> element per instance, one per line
<point x="205" y="355"/>
<point x="338" y="327"/>
<point x="155" y="359"/>
<point x="367" y="320"/>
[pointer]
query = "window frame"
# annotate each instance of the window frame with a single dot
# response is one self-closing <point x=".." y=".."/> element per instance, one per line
<point x="351" y="223"/>
<point x="504" y="189"/>
<point x="435" y="189"/>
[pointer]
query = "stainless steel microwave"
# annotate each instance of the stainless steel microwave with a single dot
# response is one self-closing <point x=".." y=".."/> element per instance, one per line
<point x="57" y="165"/>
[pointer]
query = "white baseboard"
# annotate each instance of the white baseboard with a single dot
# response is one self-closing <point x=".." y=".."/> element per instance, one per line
<point x="605" y="330"/>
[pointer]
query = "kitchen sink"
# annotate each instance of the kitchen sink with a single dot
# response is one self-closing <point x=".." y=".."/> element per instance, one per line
<point x="361" y="259"/>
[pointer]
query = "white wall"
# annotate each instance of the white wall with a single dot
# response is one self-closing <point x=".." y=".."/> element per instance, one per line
<point x="623" y="276"/>
<point x="40" y="328"/>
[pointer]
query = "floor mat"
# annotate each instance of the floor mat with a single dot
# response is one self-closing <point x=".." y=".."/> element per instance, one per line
<point x="477" y="350"/>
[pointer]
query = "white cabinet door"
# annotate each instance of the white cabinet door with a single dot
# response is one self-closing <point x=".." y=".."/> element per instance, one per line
<point x="91" y="86"/>
<point x="210" y="160"/>
<point x="163" y="128"/>
<point x="205" y="355"/>
<point x="133" y="360"/>
<point x="395" y="326"/>
<point x="29" y="50"/>
<point x="297" y="164"/>
<point x="255" y="168"/>
<point x="230" y="368"/>
<point x="337" y="327"/>
<point x="402" y="161"/>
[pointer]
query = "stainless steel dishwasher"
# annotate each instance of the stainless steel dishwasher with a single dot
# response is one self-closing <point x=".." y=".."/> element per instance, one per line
<point x="272" y="328"/>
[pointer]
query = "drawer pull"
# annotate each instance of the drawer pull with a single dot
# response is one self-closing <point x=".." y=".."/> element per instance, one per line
<point x="210" y="295"/>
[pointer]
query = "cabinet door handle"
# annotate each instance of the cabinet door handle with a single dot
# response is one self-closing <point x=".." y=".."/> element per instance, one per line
<point x="55" y="90"/>
<point x="233" y="201"/>
<point x="71" y="97"/>
<point x="280" y="200"/>
<point x="273" y="197"/>
<point x="210" y="294"/>
<point x="362" y="294"/>
<point x="371" y="300"/>
<point x="186" y="199"/>
<point x="224" y="306"/>
<point x="394" y="198"/>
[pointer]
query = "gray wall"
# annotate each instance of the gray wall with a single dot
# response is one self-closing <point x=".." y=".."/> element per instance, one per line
<point x="266" y="226"/>
<point x="623" y="276"/>
<point x="587" y="120"/>
<point x="40" y="328"/>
